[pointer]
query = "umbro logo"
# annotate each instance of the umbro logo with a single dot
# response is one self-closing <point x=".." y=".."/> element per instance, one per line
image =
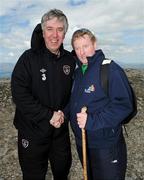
<point x="43" y="70"/>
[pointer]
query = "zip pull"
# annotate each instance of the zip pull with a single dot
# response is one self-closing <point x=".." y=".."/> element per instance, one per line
<point x="125" y="130"/>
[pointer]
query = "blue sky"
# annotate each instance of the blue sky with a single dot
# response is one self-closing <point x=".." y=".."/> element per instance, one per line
<point x="117" y="24"/>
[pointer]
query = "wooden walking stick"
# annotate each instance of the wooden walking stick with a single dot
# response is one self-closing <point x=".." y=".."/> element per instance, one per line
<point x="84" y="109"/>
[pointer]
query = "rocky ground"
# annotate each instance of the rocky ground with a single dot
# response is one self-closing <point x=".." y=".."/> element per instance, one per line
<point x="9" y="167"/>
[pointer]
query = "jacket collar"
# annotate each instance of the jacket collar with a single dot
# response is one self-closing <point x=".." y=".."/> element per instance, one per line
<point x="96" y="58"/>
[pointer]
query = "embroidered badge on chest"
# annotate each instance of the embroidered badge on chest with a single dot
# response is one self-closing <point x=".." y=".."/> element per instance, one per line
<point x="25" y="143"/>
<point x="66" y="69"/>
<point x="43" y="75"/>
<point x="90" y="89"/>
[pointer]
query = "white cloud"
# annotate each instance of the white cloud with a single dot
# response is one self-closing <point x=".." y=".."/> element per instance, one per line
<point x="6" y="5"/>
<point x="11" y="54"/>
<point x="110" y="20"/>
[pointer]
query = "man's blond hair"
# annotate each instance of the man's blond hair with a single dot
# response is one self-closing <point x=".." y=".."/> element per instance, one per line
<point x="80" y="33"/>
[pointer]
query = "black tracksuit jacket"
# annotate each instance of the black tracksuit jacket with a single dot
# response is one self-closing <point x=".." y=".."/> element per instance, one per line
<point x="41" y="84"/>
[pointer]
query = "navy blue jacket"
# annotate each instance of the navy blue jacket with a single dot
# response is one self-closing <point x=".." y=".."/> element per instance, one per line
<point x="105" y="114"/>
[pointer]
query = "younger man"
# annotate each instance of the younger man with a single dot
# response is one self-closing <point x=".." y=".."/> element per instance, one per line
<point x="106" y="148"/>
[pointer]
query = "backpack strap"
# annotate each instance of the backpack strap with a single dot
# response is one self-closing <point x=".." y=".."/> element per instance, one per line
<point x="104" y="74"/>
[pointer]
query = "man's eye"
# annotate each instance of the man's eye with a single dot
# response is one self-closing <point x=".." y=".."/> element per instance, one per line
<point x="49" y="29"/>
<point x="85" y="46"/>
<point x="76" y="49"/>
<point x="60" y="29"/>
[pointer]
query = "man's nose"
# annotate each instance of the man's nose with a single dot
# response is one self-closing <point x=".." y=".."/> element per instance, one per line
<point x="81" y="51"/>
<point x="55" y="33"/>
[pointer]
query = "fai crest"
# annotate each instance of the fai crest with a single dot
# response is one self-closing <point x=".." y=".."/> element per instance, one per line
<point x="66" y="69"/>
<point x="25" y="143"/>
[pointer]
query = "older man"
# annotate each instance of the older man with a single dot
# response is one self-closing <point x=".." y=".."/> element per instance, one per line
<point x="41" y="85"/>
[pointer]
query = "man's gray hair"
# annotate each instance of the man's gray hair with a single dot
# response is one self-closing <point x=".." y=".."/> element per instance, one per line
<point x="52" y="14"/>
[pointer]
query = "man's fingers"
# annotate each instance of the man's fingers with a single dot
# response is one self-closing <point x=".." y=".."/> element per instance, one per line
<point x="61" y="113"/>
<point x="57" y="119"/>
<point x="81" y="119"/>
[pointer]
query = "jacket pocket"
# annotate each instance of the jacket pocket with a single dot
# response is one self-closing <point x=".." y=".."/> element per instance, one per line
<point x="106" y="133"/>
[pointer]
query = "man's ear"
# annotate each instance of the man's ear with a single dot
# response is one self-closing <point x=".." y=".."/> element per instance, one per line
<point x="42" y="34"/>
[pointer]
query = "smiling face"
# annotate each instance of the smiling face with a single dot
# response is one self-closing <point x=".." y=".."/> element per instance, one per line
<point x="53" y="34"/>
<point x="84" y="47"/>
